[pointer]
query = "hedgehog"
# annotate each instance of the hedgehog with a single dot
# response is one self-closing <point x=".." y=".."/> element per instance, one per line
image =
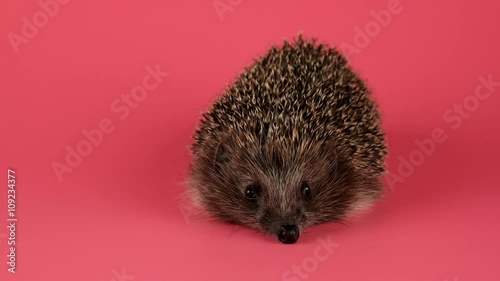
<point x="295" y="141"/>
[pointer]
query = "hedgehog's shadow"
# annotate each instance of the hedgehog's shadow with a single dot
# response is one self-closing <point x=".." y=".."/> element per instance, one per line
<point x="311" y="234"/>
<point x="308" y="236"/>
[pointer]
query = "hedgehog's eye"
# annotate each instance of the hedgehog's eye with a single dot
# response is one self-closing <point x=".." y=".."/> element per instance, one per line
<point x="251" y="192"/>
<point x="305" y="190"/>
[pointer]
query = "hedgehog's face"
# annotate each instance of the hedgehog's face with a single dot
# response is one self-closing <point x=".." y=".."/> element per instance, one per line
<point x="275" y="189"/>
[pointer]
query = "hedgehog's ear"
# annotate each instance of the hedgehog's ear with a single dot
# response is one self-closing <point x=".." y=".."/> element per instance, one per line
<point x="221" y="155"/>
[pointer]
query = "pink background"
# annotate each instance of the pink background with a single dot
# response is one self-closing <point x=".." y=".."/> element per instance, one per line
<point x="120" y="208"/>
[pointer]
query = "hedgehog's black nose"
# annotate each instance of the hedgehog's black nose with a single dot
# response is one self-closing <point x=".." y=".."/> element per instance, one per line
<point x="288" y="234"/>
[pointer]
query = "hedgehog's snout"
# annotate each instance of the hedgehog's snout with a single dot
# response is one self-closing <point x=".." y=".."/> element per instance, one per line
<point x="288" y="233"/>
<point x="282" y="225"/>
